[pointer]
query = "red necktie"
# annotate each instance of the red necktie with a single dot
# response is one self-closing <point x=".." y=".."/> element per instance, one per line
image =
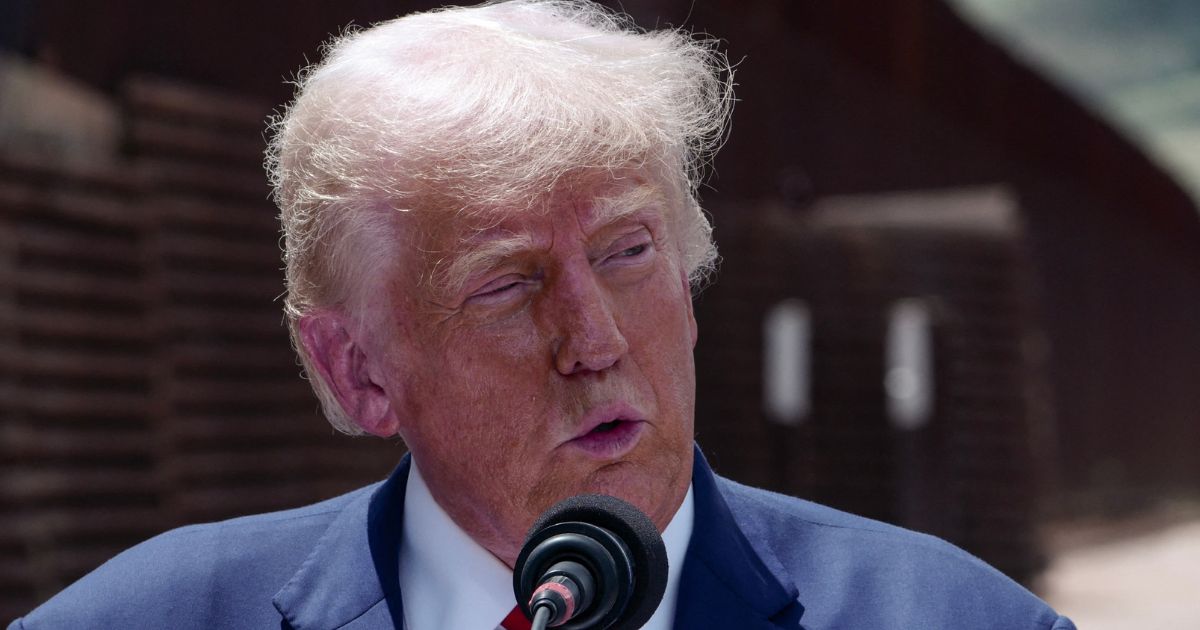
<point x="515" y="620"/>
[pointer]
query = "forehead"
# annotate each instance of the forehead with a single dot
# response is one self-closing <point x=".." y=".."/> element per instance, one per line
<point x="592" y="204"/>
<point x="591" y="195"/>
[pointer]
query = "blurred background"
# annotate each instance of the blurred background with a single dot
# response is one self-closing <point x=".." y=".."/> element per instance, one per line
<point x="960" y="288"/>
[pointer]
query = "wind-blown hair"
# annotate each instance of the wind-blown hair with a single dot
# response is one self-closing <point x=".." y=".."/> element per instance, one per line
<point x="475" y="110"/>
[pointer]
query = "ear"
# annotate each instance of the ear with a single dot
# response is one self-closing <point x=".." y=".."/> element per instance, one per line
<point x="344" y="365"/>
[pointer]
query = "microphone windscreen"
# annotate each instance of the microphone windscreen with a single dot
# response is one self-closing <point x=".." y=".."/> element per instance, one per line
<point x="638" y="533"/>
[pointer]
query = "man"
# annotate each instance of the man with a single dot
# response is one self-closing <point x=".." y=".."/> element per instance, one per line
<point x="491" y="239"/>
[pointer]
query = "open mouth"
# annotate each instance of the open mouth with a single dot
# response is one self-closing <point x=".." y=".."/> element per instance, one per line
<point x="607" y="426"/>
<point x="610" y="439"/>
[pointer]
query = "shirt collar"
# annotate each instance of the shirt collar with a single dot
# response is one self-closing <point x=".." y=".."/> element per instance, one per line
<point x="676" y="538"/>
<point x="450" y="581"/>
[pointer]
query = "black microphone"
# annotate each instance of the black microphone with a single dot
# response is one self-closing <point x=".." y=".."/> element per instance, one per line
<point x="591" y="562"/>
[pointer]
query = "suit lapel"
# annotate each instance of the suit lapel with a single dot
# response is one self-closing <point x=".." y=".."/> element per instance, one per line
<point x="334" y="587"/>
<point x="725" y="584"/>
<point x="385" y="522"/>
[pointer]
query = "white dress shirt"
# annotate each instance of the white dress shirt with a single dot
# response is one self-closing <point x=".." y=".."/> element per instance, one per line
<point x="450" y="582"/>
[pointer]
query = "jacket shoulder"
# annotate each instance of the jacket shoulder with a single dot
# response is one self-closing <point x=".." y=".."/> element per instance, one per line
<point x="221" y="574"/>
<point x="857" y="572"/>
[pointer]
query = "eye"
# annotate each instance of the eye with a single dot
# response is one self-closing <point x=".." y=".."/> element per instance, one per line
<point x="499" y="289"/>
<point x="496" y="291"/>
<point x="631" y="253"/>
<point x="634" y="251"/>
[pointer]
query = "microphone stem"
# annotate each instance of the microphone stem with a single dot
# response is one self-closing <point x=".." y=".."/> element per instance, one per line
<point x="541" y="617"/>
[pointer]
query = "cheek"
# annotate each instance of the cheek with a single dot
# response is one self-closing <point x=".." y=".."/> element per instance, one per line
<point x="479" y="384"/>
<point x="661" y="316"/>
<point x="660" y="334"/>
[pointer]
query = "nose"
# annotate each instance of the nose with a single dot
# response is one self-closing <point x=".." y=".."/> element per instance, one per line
<point x="588" y="338"/>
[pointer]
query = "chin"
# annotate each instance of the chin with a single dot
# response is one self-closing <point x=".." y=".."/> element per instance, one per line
<point x="648" y="488"/>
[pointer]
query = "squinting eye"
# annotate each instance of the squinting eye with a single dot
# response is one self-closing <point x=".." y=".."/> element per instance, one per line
<point x="497" y="291"/>
<point x="634" y="251"/>
<point x="632" y="256"/>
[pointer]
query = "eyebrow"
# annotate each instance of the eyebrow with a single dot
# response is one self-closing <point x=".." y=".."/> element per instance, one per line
<point x="495" y="250"/>
<point x="625" y="204"/>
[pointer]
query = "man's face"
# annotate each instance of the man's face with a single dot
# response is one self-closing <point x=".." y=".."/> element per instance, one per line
<point x="561" y="364"/>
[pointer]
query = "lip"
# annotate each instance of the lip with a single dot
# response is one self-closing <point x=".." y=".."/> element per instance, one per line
<point x="614" y="442"/>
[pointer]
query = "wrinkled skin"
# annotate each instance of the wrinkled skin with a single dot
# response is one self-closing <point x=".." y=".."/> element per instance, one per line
<point x="490" y="384"/>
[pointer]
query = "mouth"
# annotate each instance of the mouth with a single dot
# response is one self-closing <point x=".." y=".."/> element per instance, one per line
<point x="609" y="435"/>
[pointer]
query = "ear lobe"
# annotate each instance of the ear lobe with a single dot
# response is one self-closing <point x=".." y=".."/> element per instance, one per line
<point x="342" y="363"/>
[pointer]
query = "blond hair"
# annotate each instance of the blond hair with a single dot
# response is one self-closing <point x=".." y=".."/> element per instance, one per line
<point x="478" y="107"/>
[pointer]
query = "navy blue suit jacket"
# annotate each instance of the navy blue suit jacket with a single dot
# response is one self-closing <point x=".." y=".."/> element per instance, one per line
<point x="757" y="561"/>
